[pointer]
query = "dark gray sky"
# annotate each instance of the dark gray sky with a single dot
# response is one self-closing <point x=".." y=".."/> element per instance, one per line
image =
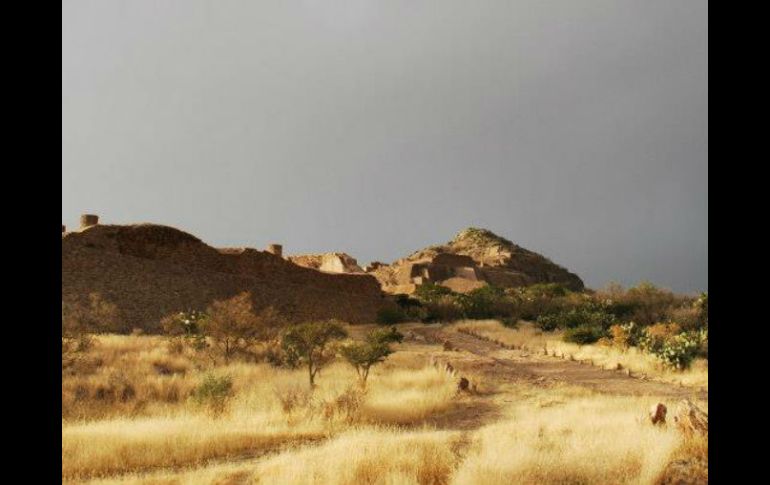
<point x="578" y="129"/>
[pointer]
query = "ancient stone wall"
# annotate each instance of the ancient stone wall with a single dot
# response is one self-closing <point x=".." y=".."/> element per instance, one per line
<point x="150" y="271"/>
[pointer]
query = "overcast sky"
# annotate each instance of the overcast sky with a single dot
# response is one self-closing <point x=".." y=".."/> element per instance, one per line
<point x="577" y="129"/>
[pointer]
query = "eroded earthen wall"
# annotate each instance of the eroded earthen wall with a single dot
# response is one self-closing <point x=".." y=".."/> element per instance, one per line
<point x="152" y="271"/>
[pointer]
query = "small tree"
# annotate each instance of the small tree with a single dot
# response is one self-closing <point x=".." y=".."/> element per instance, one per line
<point x="234" y="328"/>
<point x="374" y="349"/>
<point x="80" y="320"/>
<point x="185" y="327"/>
<point x="308" y="344"/>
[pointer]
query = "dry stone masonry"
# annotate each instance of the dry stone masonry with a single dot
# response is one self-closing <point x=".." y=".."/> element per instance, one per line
<point x="149" y="271"/>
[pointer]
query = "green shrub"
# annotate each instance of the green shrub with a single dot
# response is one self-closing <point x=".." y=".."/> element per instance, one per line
<point x="213" y="392"/>
<point x="550" y="290"/>
<point x="680" y="350"/>
<point x="431" y="292"/>
<point x="676" y="349"/>
<point x="481" y="303"/>
<point x="584" y="334"/>
<point x="654" y="337"/>
<point x="444" y="309"/>
<point x="510" y="322"/>
<point x="390" y="315"/>
<point x="540" y="299"/>
<point x="589" y="315"/>
<point x="184" y="329"/>
<point x="702" y="304"/>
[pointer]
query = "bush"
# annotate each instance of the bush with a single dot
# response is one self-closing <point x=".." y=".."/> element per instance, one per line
<point x="654" y="337"/>
<point x="647" y="304"/>
<point x="510" y="322"/>
<point x="702" y="305"/>
<point x="539" y="299"/>
<point x="584" y="334"/>
<point x="431" y="292"/>
<point x="187" y="323"/>
<point x="680" y="350"/>
<point x="485" y="302"/>
<point x="390" y="315"/>
<point x="444" y="309"/>
<point x="213" y="392"/>
<point x="95" y="316"/>
<point x="589" y="315"/>
<point x="185" y="329"/>
<point x="676" y="349"/>
<point x="626" y="335"/>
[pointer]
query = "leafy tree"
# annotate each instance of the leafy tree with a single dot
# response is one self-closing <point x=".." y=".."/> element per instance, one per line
<point x="374" y="349"/>
<point x="309" y="344"/>
<point x="234" y="328"/>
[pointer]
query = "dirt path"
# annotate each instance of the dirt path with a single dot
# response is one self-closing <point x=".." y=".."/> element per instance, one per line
<point x="504" y="365"/>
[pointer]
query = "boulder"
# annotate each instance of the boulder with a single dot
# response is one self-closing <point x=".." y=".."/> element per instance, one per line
<point x="658" y="413"/>
<point x="463" y="384"/>
<point x="690" y="419"/>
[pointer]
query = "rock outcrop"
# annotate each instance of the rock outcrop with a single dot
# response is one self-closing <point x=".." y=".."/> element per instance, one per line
<point x="474" y="258"/>
<point x="149" y="271"/>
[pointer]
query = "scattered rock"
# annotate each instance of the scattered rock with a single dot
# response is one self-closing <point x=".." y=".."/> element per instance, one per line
<point x="463" y="384"/>
<point x="658" y="413"/>
<point x="690" y="418"/>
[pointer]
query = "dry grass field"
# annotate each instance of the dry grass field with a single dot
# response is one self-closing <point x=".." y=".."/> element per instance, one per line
<point x="129" y="416"/>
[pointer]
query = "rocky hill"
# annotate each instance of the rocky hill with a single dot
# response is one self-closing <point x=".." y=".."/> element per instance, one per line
<point x="473" y="258"/>
<point x="149" y="271"/>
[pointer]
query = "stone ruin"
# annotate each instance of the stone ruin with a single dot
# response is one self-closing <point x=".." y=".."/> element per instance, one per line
<point x="328" y="262"/>
<point x="275" y="249"/>
<point x="150" y="271"/>
<point x="473" y="259"/>
<point x="88" y="220"/>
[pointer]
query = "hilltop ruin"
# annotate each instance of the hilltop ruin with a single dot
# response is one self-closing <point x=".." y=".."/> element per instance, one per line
<point x="328" y="262"/>
<point x="474" y="258"/>
<point x="149" y="271"/>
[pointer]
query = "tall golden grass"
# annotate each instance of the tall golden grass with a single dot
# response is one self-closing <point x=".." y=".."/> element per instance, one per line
<point x="597" y="440"/>
<point x="270" y="407"/>
<point x="275" y="431"/>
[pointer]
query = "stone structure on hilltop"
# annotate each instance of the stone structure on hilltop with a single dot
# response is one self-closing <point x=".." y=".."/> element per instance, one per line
<point x="474" y="258"/>
<point x="328" y="262"/>
<point x="150" y="271"/>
